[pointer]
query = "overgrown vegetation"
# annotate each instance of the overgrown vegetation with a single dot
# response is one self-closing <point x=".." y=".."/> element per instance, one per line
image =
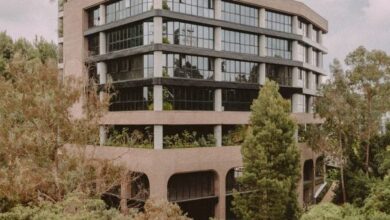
<point x="189" y="139"/>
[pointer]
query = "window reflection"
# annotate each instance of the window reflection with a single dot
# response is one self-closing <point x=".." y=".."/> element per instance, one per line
<point x="279" y="48"/>
<point x="132" y="99"/>
<point x="132" y="35"/>
<point x="239" y="71"/>
<point x="175" y="32"/>
<point x="238" y="99"/>
<point x="280" y="74"/>
<point x="189" y="98"/>
<point x="135" y="67"/>
<point x="239" y="42"/>
<point x="203" y="8"/>
<point x="240" y="14"/>
<point x="187" y="66"/>
<point x="279" y="22"/>
<point x="126" y="8"/>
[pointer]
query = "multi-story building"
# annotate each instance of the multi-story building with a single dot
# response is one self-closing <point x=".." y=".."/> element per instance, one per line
<point x="196" y="66"/>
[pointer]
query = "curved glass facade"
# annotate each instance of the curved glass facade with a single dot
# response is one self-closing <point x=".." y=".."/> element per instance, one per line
<point x="279" y="22"/>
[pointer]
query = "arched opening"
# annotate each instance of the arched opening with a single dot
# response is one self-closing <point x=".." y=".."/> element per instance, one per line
<point x="308" y="178"/>
<point x="194" y="193"/>
<point x="138" y="189"/>
<point x="231" y="185"/>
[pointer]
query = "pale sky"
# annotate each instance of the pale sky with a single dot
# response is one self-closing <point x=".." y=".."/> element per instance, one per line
<point x="351" y="22"/>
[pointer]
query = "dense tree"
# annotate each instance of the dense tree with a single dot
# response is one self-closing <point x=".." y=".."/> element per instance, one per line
<point x="271" y="161"/>
<point x="369" y="75"/>
<point x="338" y="134"/>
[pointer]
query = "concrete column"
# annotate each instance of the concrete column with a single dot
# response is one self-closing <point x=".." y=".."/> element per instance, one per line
<point x="262" y="18"/>
<point x="218" y="135"/>
<point x="102" y="135"/>
<point x="157" y="4"/>
<point x="158" y="65"/>
<point x="311" y="81"/>
<point x="296" y="103"/>
<point x="296" y="82"/>
<point x="295" y="25"/>
<point x="320" y="37"/>
<point x="158" y="137"/>
<point x="125" y="192"/>
<point x="310" y="31"/>
<point x="158" y="30"/>
<point x="295" y="50"/>
<point x="218" y="38"/>
<point x="311" y="104"/>
<point x="310" y="56"/>
<point x="101" y="69"/>
<point x="102" y="14"/>
<point x="218" y="9"/>
<point x="220" y="187"/>
<point x="218" y="100"/>
<point x="158" y="185"/>
<point x="320" y="59"/>
<point x="158" y="98"/>
<point x="262" y="45"/>
<point x="262" y="73"/>
<point x="102" y="43"/>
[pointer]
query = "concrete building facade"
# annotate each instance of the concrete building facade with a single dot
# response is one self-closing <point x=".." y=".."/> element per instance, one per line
<point x="196" y="66"/>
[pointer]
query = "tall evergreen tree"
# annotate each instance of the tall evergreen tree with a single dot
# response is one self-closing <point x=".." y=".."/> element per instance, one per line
<point x="271" y="161"/>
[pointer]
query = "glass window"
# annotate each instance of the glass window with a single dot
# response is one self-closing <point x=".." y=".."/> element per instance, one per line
<point x="128" y="68"/>
<point x="175" y="32"/>
<point x="203" y="8"/>
<point x="132" y="99"/>
<point x="240" y="14"/>
<point x="129" y="36"/>
<point x="238" y="99"/>
<point x="279" y="48"/>
<point x="188" y="98"/>
<point x="279" y="22"/>
<point x="93" y="45"/>
<point x="93" y="17"/>
<point x="239" y="42"/>
<point x="126" y="8"/>
<point x="280" y="74"/>
<point x="240" y="71"/>
<point x="187" y="66"/>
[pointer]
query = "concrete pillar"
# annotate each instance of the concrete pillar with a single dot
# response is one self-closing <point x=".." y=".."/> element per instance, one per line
<point x="295" y="25"/>
<point x="220" y="187"/>
<point x="262" y="18"/>
<point x="158" y="65"/>
<point x="296" y="82"/>
<point x="102" y="43"/>
<point x="158" y="98"/>
<point x="158" y="186"/>
<point x="102" y="135"/>
<point x="320" y="59"/>
<point x="311" y="81"/>
<point x="102" y="14"/>
<point x="262" y="45"/>
<point x="295" y="50"/>
<point x="310" y="56"/>
<point x="218" y="100"/>
<point x="296" y="103"/>
<point x="320" y="37"/>
<point x="218" y="9"/>
<point x="218" y="135"/>
<point x="125" y="192"/>
<point x="218" y="38"/>
<point x="158" y="137"/>
<point x="157" y="4"/>
<point x="262" y="73"/>
<point x="101" y="69"/>
<point x="310" y="31"/>
<point x="158" y="30"/>
<point x="310" y="104"/>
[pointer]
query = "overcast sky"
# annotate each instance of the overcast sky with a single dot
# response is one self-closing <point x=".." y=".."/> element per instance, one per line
<point x="351" y="22"/>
